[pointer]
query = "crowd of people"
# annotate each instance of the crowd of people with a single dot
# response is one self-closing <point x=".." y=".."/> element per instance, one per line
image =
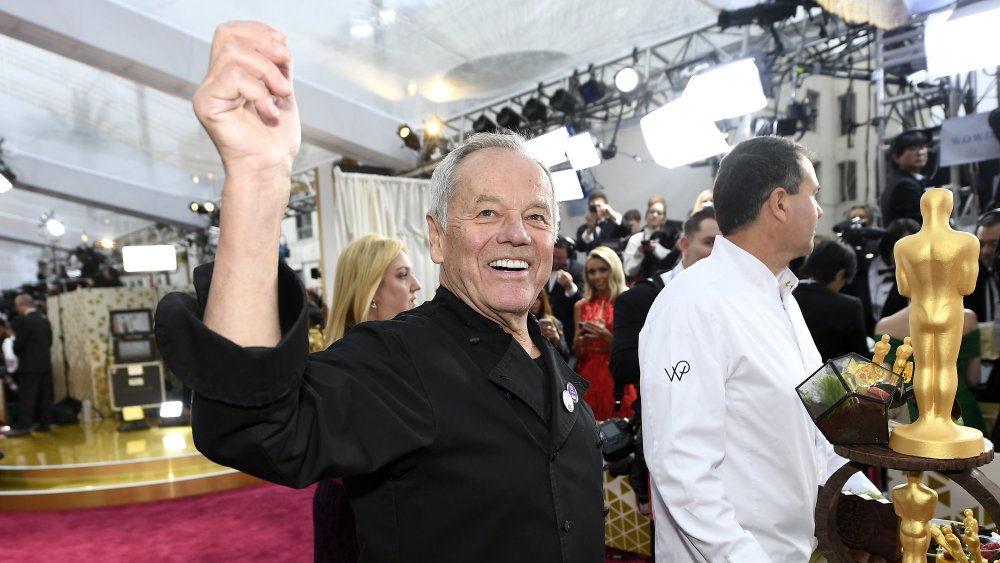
<point x="484" y="401"/>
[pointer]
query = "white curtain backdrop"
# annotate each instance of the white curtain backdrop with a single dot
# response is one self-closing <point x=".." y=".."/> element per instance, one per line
<point x="353" y="205"/>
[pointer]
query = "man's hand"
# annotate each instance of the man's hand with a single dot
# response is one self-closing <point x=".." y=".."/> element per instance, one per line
<point x="564" y="279"/>
<point x="246" y="103"/>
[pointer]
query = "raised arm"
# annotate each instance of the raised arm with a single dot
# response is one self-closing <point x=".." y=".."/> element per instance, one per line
<point x="247" y="106"/>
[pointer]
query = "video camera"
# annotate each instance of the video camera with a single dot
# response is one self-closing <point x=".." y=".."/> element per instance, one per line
<point x="854" y="232"/>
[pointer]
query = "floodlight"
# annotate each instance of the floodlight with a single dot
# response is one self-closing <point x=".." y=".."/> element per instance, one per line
<point x="483" y="124"/>
<point x="548" y="148"/>
<point x="409" y="138"/>
<point x="171" y="409"/>
<point x="678" y="134"/>
<point x="432" y="127"/>
<point x="627" y="79"/>
<point x="509" y="119"/>
<point x="566" y="185"/>
<point x="535" y="110"/>
<point x="149" y="258"/>
<point x="208" y="207"/>
<point x="964" y="39"/>
<point x="564" y="101"/>
<point x="593" y="90"/>
<point x="581" y="151"/>
<point x="194" y="206"/>
<point x="106" y="243"/>
<point x="54" y="227"/>
<point x="726" y="91"/>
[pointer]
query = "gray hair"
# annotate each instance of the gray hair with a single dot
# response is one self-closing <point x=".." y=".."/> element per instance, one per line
<point x="25" y="300"/>
<point x="444" y="181"/>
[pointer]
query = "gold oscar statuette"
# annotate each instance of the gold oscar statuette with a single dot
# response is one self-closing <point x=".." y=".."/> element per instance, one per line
<point x="934" y="268"/>
<point x="914" y="503"/>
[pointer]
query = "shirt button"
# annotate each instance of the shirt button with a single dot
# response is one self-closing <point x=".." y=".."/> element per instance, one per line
<point x="474" y="340"/>
<point x="568" y="525"/>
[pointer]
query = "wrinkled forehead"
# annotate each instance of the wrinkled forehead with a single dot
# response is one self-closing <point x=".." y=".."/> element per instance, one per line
<point x="488" y="174"/>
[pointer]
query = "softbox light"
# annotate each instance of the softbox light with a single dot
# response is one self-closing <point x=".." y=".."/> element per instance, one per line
<point x="679" y="134"/>
<point x="963" y="40"/>
<point x="726" y="91"/>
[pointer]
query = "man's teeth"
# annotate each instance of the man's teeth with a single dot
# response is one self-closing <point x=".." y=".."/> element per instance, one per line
<point x="515" y="265"/>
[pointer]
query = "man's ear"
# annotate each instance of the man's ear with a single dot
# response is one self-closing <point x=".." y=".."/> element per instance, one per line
<point x="683" y="244"/>
<point x="436" y="237"/>
<point x="777" y="204"/>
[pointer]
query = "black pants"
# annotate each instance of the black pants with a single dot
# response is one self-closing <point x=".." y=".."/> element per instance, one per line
<point x="34" y="400"/>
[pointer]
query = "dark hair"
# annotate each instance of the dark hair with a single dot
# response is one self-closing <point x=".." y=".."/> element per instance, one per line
<point x="595" y="195"/>
<point x="632" y="215"/>
<point x="693" y="224"/>
<point x="896" y="230"/>
<point x="748" y="175"/>
<point x="988" y="219"/>
<point x="567" y="243"/>
<point x="828" y="258"/>
<point x="908" y="140"/>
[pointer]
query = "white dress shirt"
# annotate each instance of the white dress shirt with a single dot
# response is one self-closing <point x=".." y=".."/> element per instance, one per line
<point x="734" y="457"/>
<point x="10" y="360"/>
<point x="632" y="255"/>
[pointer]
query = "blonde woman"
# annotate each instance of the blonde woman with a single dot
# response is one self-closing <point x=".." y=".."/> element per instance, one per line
<point x="374" y="281"/>
<point x="594" y="315"/>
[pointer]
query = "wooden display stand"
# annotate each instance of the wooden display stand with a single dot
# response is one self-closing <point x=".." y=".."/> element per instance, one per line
<point x="963" y="472"/>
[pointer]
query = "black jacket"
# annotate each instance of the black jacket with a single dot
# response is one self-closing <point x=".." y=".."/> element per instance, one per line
<point x="631" y="309"/>
<point x="901" y="197"/>
<point x="836" y="321"/>
<point x="562" y="306"/>
<point x="33" y="344"/>
<point x="447" y="450"/>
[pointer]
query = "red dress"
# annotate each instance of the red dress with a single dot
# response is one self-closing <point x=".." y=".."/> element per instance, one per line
<point x="594" y="364"/>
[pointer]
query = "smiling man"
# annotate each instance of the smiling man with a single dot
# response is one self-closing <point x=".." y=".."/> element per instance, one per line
<point x="460" y="433"/>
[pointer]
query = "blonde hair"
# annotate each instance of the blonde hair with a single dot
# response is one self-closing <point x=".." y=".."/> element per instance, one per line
<point x="616" y="281"/>
<point x="360" y="269"/>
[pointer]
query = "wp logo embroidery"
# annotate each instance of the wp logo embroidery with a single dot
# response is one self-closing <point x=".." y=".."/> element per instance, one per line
<point x="678" y="371"/>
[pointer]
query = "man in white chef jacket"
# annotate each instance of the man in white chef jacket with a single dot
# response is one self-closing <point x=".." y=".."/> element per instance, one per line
<point x="734" y="457"/>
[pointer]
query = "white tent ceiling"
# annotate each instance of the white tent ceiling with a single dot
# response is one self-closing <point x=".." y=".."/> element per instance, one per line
<point x="97" y="120"/>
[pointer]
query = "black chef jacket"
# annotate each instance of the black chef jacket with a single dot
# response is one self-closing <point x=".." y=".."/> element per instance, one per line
<point x="429" y="418"/>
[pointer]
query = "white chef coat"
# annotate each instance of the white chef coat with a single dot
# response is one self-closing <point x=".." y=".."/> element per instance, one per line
<point x="734" y="457"/>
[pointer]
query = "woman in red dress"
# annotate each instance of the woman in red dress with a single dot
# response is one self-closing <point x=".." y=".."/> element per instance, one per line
<point x="604" y="281"/>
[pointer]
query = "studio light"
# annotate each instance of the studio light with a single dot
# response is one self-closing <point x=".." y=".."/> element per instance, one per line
<point x="535" y="110"/>
<point x="726" y="91"/>
<point x="564" y="101"/>
<point x="55" y="227"/>
<point x="409" y="138"/>
<point x="593" y="90"/>
<point x="171" y="409"/>
<point x="581" y="151"/>
<point x="548" y="148"/>
<point x="963" y="40"/>
<point x="679" y="134"/>
<point x="627" y="79"/>
<point x="509" y="119"/>
<point x="106" y="243"/>
<point x="149" y="258"/>
<point x="483" y="124"/>
<point x="194" y="206"/>
<point x="172" y="414"/>
<point x="566" y="185"/>
<point x="208" y="206"/>
<point x="432" y="127"/>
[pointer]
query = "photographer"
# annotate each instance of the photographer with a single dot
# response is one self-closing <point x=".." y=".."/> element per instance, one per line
<point x="603" y="227"/>
<point x="645" y="250"/>
<point x="632" y="306"/>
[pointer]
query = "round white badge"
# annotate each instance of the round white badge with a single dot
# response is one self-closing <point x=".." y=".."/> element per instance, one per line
<point x="568" y="401"/>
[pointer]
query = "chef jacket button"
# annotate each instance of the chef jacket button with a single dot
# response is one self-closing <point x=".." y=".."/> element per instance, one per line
<point x="567" y="525"/>
<point x="474" y="340"/>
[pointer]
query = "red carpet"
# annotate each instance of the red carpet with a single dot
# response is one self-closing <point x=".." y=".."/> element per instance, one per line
<point x="262" y="523"/>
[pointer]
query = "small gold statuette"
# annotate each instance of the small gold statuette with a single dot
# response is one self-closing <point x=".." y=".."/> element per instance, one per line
<point x="903" y="353"/>
<point x="869" y="375"/>
<point x="935" y="268"/>
<point x="947" y="539"/>
<point x="914" y="503"/>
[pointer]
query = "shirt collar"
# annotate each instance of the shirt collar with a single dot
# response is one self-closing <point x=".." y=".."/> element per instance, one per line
<point x="783" y="283"/>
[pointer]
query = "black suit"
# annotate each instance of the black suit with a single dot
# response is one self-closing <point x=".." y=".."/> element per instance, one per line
<point x="562" y="306"/>
<point x="608" y="233"/>
<point x="631" y="309"/>
<point x="34" y="372"/>
<point x="859" y="288"/>
<point x="836" y="321"/>
<point x="902" y="197"/>
<point x="977" y="300"/>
